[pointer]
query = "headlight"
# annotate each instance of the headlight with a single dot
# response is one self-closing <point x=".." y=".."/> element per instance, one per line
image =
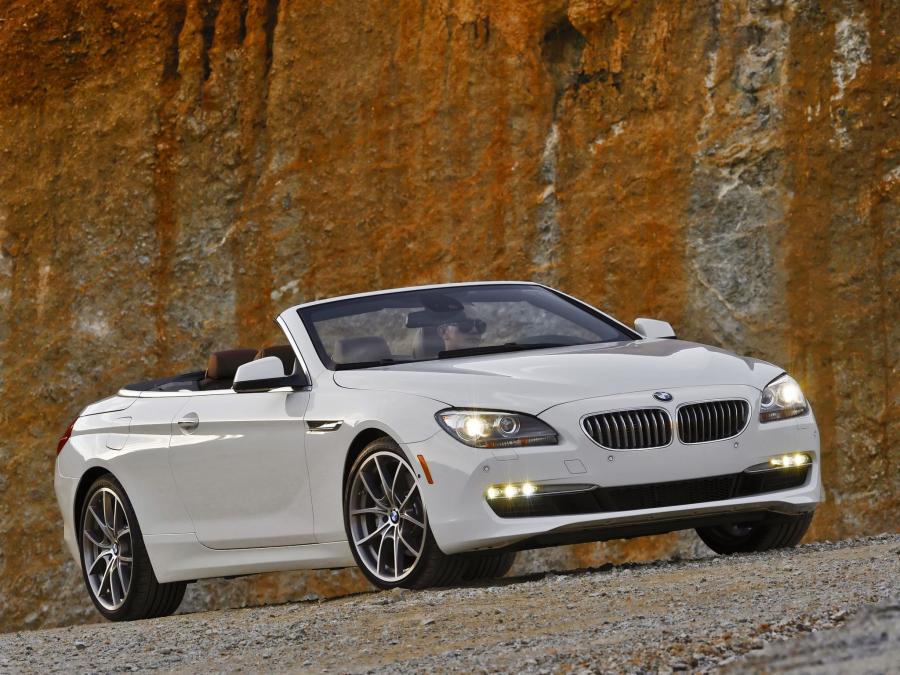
<point x="782" y="398"/>
<point x="492" y="429"/>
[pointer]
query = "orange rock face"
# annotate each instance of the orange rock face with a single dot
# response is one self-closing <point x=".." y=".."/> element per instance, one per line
<point x="174" y="173"/>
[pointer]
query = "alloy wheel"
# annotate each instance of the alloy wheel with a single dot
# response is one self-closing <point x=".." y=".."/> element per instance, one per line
<point x="387" y="517"/>
<point x="107" y="548"/>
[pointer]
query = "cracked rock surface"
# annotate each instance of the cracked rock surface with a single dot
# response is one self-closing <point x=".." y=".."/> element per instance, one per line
<point x="175" y="173"/>
<point x="824" y="607"/>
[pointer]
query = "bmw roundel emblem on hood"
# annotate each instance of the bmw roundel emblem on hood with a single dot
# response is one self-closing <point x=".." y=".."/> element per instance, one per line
<point x="662" y="396"/>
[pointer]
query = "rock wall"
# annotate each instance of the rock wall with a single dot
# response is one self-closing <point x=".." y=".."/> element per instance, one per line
<point x="176" y="172"/>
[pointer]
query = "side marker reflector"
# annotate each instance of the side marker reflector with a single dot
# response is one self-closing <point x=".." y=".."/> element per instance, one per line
<point x="424" y="464"/>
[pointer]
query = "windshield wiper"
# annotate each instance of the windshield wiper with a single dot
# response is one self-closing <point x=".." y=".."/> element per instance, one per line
<point x="369" y="364"/>
<point x="494" y="349"/>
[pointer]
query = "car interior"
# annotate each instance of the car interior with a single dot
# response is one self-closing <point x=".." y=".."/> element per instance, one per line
<point x="370" y="348"/>
<point x="221" y="368"/>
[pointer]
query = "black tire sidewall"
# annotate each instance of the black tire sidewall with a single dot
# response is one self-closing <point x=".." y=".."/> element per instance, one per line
<point x="777" y="531"/>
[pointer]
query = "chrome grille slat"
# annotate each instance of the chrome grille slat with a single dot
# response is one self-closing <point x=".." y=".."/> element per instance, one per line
<point x="608" y="437"/>
<point x="630" y="429"/>
<point x="654" y="433"/>
<point x="638" y="429"/>
<point x="712" y="420"/>
<point x="645" y="421"/>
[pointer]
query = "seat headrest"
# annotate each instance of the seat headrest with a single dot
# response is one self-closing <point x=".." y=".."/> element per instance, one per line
<point x="223" y="365"/>
<point x="283" y="352"/>
<point x="361" y="349"/>
<point x="427" y="343"/>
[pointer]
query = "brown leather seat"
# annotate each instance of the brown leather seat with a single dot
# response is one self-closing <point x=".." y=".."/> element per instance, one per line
<point x="222" y="366"/>
<point x="283" y="352"/>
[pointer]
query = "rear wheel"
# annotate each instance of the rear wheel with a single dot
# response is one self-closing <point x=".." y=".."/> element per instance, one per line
<point x="387" y="525"/>
<point x="115" y="565"/>
<point x="777" y="531"/>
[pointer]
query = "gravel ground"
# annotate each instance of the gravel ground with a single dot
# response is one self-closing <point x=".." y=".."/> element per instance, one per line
<point x="824" y="607"/>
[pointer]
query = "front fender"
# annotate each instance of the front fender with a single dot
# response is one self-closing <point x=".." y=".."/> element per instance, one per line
<point x="406" y="418"/>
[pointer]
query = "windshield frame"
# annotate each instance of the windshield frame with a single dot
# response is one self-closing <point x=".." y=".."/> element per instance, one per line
<point x="304" y="312"/>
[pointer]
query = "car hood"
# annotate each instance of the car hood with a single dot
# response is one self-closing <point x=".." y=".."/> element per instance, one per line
<point x="532" y="381"/>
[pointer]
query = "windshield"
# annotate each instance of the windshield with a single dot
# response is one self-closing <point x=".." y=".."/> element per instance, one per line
<point x="421" y="325"/>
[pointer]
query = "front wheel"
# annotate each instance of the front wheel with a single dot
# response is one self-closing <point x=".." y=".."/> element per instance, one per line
<point x="387" y="525"/>
<point x="777" y="531"/>
<point x="114" y="562"/>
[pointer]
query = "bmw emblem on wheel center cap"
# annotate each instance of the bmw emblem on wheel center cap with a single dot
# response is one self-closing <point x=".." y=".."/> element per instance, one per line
<point x="662" y="396"/>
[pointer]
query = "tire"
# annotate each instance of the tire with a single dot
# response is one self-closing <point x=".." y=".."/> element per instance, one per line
<point x="109" y="534"/>
<point x="488" y="565"/>
<point x="777" y="531"/>
<point x="376" y="515"/>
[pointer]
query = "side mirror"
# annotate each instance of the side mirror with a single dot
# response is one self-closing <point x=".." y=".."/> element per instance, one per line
<point x="265" y="374"/>
<point x="651" y="328"/>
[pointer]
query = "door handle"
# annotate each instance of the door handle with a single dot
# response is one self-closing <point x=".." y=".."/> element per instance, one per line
<point x="189" y="422"/>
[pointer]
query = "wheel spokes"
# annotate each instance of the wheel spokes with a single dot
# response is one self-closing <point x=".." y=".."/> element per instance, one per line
<point x="408" y="495"/>
<point x="112" y="588"/>
<point x="396" y="554"/>
<point x="365" y="483"/>
<point x="380" y="548"/>
<point x="99" y="543"/>
<point x="100" y="558"/>
<point x="107" y="549"/>
<point x="100" y="523"/>
<point x="371" y="534"/>
<point x="413" y="551"/>
<point x="394" y="481"/>
<point x="393" y="554"/>
<point x="106" y="508"/>
<point x="412" y="520"/>
<point x="388" y="495"/>
<point x="106" y="578"/>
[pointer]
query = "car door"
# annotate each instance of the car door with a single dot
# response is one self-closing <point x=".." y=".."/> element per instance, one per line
<point x="239" y="461"/>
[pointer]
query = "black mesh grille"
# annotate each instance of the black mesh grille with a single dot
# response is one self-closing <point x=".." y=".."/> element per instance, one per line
<point x="712" y="420"/>
<point x="657" y="495"/>
<point x="653" y="495"/>
<point x="630" y="429"/>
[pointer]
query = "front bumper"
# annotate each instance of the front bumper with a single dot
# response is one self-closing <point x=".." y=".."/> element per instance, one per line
<point x="462" y="520"/>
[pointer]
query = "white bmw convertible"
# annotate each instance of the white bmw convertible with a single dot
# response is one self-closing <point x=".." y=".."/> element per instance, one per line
<point x="425" y="435"/>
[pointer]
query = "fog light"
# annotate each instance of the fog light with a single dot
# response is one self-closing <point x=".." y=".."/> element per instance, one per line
<point x="511" y="491"/>
<point x="787" y="461"/>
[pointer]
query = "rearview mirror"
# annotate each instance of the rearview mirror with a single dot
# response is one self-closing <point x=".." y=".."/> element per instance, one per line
<point x="651" y="328"/>
<point x="265" y="374"/>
